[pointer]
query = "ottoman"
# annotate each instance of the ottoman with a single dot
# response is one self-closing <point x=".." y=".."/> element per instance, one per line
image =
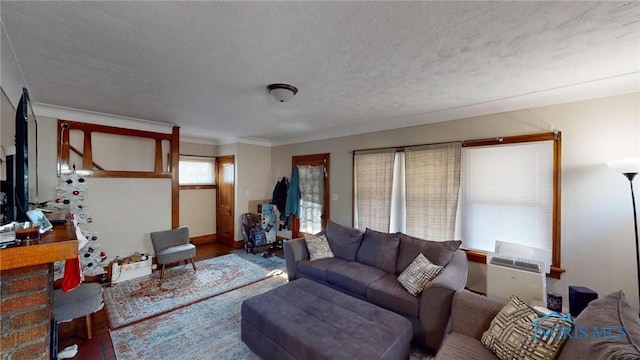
<point x="305" y="320"/>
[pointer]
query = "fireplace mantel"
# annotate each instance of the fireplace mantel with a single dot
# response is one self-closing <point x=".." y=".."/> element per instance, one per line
<point x="58" y="244"/>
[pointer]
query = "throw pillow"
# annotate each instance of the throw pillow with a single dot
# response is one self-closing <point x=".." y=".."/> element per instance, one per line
<point x="518" y="332"/>
<point x="438" y="252"/>
<point x="379" y="249"/>
<point x="318" y="247"/>
<point x="344" y="241"/>
<point x="418" y="275"/>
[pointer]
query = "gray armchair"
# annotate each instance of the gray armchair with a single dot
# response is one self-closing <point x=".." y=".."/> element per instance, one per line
<point x="172" y="246"/>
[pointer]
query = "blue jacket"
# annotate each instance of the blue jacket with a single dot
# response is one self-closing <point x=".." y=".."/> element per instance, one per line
<point x="293" y="195"/>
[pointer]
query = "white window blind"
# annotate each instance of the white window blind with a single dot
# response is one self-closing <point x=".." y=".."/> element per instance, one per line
<point x="507" y="195"/>
<point x="196" y="170"/>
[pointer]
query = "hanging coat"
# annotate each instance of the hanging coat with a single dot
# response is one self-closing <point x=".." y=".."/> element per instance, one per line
<point x="279" y="197"/>
<point x="293" y="195"/>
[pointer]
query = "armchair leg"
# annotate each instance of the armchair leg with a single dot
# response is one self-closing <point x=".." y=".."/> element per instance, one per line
<point x="193" y="263"/>
<point x="88" y="319"/>
<point x="162" y="272"/>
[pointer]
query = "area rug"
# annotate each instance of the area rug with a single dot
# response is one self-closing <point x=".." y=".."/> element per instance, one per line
<point x="209" y="329"/>
<point x="135" y="300"/>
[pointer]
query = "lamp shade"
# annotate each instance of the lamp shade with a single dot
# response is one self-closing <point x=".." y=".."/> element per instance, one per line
<point x="625" y="166"/>
<point x="282" y="92"/>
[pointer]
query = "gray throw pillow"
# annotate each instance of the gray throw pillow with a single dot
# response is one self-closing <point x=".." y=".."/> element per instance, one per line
<point x="379" y="249"/>
<point x="344" y="241"/>
<point x="438" y="252"/>
<point x="318" y="247"/>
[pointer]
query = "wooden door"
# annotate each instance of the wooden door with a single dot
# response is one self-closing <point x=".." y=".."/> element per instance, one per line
<point x="225" y="200"/>
<point x="314" y="160"/>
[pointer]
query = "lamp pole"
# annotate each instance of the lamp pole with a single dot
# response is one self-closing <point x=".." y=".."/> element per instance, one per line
<point x="630" y="176"/>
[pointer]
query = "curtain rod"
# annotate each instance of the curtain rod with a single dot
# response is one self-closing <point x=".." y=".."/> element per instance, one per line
<point x="553" y="135"/>
<point x="401" y="148"/>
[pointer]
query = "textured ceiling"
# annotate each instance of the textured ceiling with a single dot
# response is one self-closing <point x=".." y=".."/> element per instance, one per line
<point x="360" y="66"/>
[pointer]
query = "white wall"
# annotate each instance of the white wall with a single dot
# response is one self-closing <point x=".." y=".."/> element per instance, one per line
<point x="598" y="248"/>
<point x="7" y="129"/>
<point x="253" y="179"/>
<point x="124" y="211"/>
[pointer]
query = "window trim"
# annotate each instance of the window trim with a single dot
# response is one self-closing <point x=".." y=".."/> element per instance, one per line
<point x="556" y="268"/>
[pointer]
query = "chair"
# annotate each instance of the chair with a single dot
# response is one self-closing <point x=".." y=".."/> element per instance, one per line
<point x="81" y="301"/>
<point x="172" y="246"/>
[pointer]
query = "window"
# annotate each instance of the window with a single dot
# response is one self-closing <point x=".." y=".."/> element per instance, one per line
<point x="197" y="170"/>
<point x="507" y="195"/>
<point x="509" y="190"/>
<point x="413" y="190"/>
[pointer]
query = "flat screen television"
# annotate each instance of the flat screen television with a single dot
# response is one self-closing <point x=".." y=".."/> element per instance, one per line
<point x="16" y="187"/>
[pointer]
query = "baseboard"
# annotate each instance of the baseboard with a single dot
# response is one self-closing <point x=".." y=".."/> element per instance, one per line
<point x="203" y="239"/>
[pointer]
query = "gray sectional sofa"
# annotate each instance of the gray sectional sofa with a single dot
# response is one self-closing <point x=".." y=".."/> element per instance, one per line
<point x="608" y="329"/>
<point x="366" y="266"/>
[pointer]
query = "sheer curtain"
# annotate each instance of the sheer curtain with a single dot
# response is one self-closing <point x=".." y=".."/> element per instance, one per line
<point x="311" y="184"/>
<point x="373" y="172"/>
<point x="432" y="186"/>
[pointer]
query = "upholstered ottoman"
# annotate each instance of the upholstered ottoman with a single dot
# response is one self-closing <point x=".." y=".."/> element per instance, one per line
<point x="305" y="320"/>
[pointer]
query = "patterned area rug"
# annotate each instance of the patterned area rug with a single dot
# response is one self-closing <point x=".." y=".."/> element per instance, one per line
<point x="135" y="300"/>
<point x="209" y="329"/>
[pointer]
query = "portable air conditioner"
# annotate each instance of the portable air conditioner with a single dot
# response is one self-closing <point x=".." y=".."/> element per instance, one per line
<point x="507" y="275"/>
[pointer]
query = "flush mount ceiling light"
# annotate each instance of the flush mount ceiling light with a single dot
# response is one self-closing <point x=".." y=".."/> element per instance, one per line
<point x="282" y="92"/>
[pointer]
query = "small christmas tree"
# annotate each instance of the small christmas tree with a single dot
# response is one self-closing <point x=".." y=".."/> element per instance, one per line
<point x="71" y="196"/>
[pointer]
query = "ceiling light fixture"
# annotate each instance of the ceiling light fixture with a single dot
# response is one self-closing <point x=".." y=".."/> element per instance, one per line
<point x="282" y="92"/>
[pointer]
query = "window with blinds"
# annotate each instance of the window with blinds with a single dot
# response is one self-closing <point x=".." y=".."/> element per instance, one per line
<point x="507" y="195"/>
<point x="197" y="170"/>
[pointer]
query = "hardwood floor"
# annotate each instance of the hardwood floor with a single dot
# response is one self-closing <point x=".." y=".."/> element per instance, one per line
<point x="100" y="347"/>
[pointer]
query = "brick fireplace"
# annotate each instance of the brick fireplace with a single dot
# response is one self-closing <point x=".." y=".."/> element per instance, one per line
<point x="26" y="311"/>
<point x="26" y="293"/>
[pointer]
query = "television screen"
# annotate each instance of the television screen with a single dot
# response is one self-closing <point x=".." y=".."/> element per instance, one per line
<point x="21" y="184"/>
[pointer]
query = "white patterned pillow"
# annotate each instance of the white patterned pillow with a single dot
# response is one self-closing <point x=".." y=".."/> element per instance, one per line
<point x="518" y="332"/>
<point x="318" y="247"/>
<point x="418" y="274"/>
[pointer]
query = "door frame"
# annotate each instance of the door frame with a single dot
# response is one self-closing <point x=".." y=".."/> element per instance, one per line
<point x="315" y="160"/>
<point x="219" y="161"/>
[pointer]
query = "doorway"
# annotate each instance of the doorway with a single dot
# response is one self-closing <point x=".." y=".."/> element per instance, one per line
<point x="225" y="200"/>
<point x="315" y="189"/>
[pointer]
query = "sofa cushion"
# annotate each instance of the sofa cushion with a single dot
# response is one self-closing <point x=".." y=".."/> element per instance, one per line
<point x="379" y="249"/>
<point x="611" y="312"/>
<point x="318" y="269"/>
<point x="459" y="346"/>
<point x="388" y="293"/>
<point x="438" y="252"/>
<point x="418" y="275"/>
<point x="353" y="276"/>
<point x="344" y="241"/>
<point x="318" y="247"/>
<point x="518" y="332"/>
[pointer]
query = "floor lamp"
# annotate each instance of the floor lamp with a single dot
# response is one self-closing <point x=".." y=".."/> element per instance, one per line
<point x="630" y="168"/>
